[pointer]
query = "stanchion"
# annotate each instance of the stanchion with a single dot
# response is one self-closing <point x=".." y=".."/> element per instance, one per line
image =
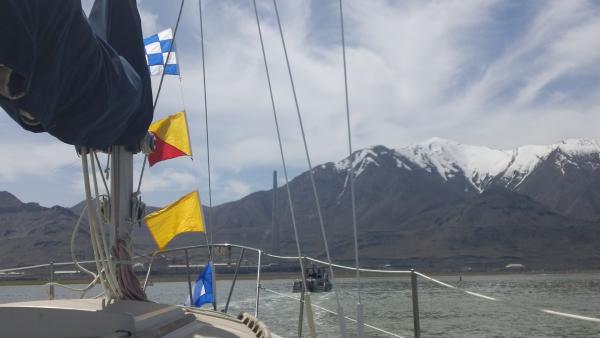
<point x="415" y="303"/>
<point x="187" y="271"/>
<point x="51" y="286"/>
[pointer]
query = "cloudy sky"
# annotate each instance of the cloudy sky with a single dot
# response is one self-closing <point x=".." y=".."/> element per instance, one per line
<point x="494" y="73"/>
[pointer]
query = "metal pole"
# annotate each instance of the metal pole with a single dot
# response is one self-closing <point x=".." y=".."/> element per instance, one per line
<point x="235" y="275"/>
<point x="148" y="273"/>
<point x="51" y="291"/>
<point x="214" y="279"/>
<point x="257" y="284"/>
<point x="415" y="303"/>
<point x="121" y="183"/>
<point x="301" y="314"/>
<point x="121" y="192"/>
<point x="274" y="223"/>
<point x="187" y="265"/>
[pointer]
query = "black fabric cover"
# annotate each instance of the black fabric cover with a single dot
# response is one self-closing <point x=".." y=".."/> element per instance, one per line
<point x="86" y="81"/>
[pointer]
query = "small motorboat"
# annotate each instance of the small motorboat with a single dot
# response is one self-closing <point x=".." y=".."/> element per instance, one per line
<point x="317" y="280"/>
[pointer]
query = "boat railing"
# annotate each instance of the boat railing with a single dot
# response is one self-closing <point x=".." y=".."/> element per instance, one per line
<point x="414" y="278"/>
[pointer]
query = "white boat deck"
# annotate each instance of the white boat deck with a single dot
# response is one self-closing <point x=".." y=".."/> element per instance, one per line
<point x="95" y="318"/>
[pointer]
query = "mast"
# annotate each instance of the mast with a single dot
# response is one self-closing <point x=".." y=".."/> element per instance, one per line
<point x="122" y="189"/>
<point x="122" y="219"/>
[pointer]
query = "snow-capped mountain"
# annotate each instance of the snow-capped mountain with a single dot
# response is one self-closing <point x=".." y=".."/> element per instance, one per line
<point x="478" y="164"/>
<point x="435" y="205"/>
<point x="557" y="175"/>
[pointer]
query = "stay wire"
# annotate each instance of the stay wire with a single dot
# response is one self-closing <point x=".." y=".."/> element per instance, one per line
<point x="207" y="222"/>
<point x="160" y="84"/>
<point x="280" y="143"/>
<point x="208" y="218"/>
<point x="162" y="76"/>
<point x="351" y="169"/>
<point x="312" y="178"/>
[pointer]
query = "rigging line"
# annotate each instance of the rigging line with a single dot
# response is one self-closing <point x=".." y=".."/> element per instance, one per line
<point x="73" y="234"/>
<point x="102" y="175"/>
<point x="180" y="80"/>
<point x="106" y="169"/>
<point x="106" y="285"/>
<point x="285" y="172"/>
<point x="37" y="266"/>
<point x="509" y="303"/>
<point x="93" y="241"/>
<point x="312" y="178"/>
<point x="139" y="186"/>
<point x="330" y="311"/>
<point x="100" y="225"/>
<point x="208" y="214"/>
<point x="162" y="78"/>
<point x="351" y="170"/>
<point x="181" y="92"/>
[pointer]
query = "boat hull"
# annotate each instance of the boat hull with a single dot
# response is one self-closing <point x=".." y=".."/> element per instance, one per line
<point x="312" y="286"/>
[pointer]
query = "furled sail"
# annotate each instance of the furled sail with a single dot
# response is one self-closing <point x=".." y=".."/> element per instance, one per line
<point x="84" y="81"/>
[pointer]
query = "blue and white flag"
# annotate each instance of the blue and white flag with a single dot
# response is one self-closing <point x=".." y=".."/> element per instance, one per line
<point x="202" y="293"/>
<point x="157" y="49"/>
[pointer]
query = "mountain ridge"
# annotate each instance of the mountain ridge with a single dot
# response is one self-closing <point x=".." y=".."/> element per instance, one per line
<point x="476" y="163"/>
<point x="437" y="205"/>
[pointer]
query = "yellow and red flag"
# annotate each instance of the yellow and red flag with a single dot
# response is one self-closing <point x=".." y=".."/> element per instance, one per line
<point x="183" y="215"/>
<point x="172" y="138"/>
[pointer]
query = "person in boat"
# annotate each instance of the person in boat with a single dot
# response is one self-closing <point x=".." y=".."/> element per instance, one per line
<point x="83" y="80"/>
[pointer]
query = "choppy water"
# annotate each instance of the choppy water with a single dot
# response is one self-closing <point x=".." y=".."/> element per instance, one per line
<point x="387" y="302"/>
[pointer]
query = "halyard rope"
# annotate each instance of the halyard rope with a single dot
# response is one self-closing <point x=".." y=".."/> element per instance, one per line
<point x="108" y="278"/>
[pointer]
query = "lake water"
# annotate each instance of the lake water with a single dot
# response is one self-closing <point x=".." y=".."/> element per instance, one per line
<point x="387" y="303"/>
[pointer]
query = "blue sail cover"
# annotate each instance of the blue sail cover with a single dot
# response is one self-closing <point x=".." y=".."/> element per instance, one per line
<point x="84" y="81"/>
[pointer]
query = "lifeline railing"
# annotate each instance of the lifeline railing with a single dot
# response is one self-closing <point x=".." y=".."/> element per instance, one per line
<point x="412" y="273"/>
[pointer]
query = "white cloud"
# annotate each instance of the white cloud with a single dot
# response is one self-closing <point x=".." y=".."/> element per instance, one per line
<point x="22" y="160"/>
<point x="495" y="73"/>
<point x="417" y="69"/>
<point x="235" y="189"/>
<point x="169" y="179"/>
<point x="149" y="20"/>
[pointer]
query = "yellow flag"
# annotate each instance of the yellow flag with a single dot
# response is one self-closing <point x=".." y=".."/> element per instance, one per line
<point x="172" y="138"/>
<point x="184" y="215"/>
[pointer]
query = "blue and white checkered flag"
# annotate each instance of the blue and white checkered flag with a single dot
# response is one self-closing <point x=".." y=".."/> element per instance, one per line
<point x="157" y="48"/>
